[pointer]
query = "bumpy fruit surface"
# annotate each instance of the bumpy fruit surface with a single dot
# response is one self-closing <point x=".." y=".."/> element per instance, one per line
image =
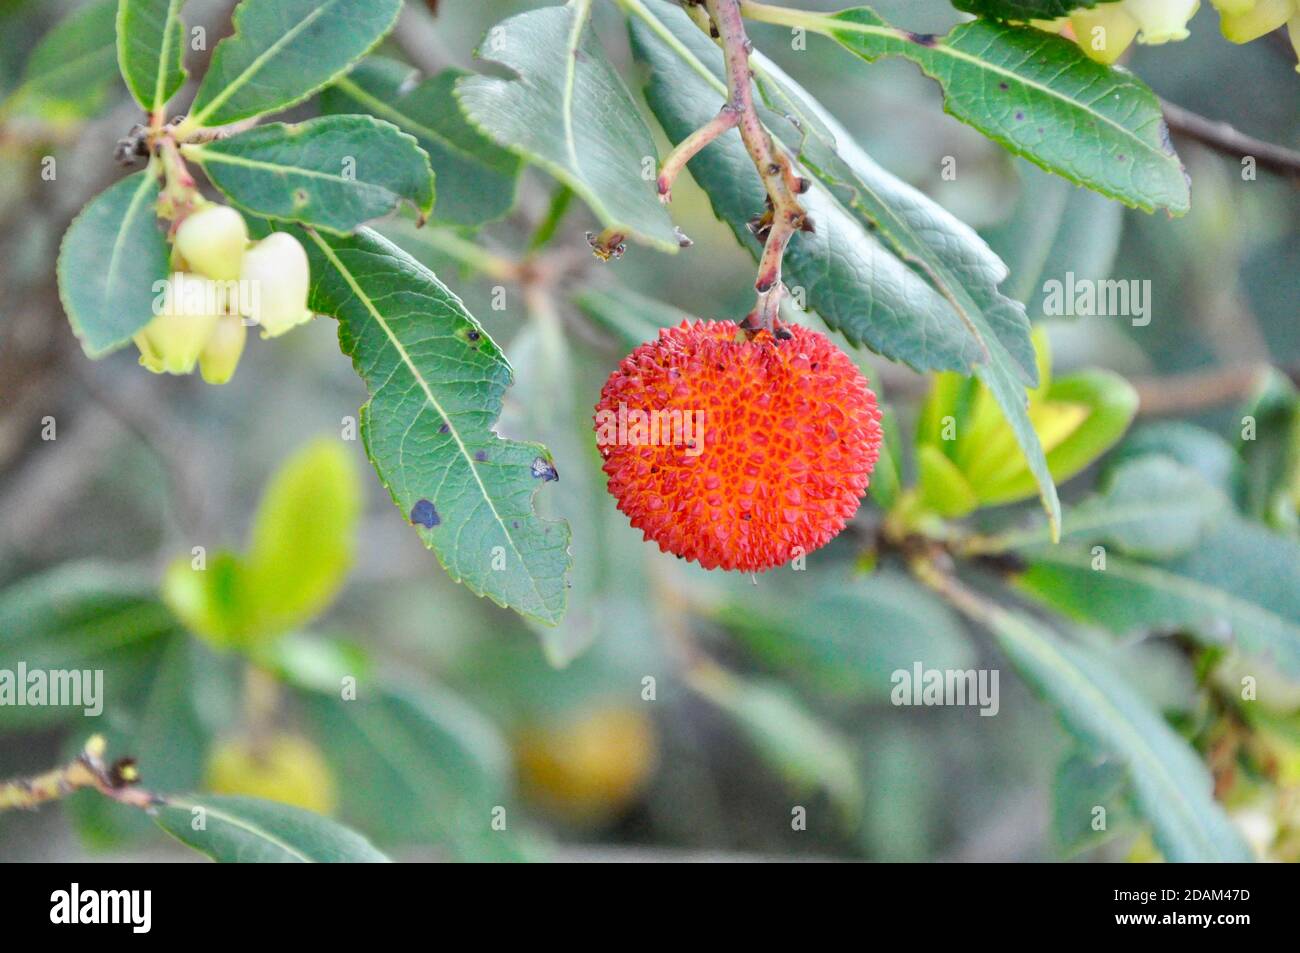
<point x="173" y="340"/>
<point x="591" y="766"/>
<point x="285" y="768"/>
<point x="212" y="241"/>
<point x="221" y="354"/>
<point x="279" y="267"/>
<point x="789" y="430"/>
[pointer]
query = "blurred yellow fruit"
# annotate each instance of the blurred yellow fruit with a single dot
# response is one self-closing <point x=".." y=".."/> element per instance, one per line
<point x="284" y="768"/>
<point x="588" y="767"/>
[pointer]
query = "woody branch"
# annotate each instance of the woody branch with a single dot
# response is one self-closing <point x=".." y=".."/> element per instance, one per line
<point x="87" y="770"/>
<point x="785" y="215"/>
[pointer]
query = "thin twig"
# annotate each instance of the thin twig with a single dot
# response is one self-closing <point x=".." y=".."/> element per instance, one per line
<point x="87" y="770"/>
<point x="786" y="215"/>
<point x="1222" y="137"/>
<point x="1197" y="390"/>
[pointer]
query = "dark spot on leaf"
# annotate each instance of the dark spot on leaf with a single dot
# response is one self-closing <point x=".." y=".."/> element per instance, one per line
<point x="480" y="455"/>
<point x="300" y="197"/>
<point x="1019" y="116"/>
<point x="515" y="524"/>
<point x="544" y="470"/>
<point x="1003" y="86"/>
<point x="443" y="429"/>
<point x="423" y="514"/>
<point x="924" y="39"/>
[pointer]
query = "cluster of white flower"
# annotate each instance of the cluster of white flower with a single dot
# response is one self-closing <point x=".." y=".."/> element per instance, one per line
<point x="1106" y="30"/>
<point x="199" y="314"/>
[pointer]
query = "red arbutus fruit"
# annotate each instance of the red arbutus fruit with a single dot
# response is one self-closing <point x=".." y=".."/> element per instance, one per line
<point x="734" y="450"/>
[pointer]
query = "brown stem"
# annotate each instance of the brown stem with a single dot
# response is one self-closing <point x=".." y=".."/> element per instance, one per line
<point x="786" y="215"/>
<point x="1197" y="390"/>
<point x="688" y="148"/>
<point x="88" y="770"/>
<point x="1221" y="137"/>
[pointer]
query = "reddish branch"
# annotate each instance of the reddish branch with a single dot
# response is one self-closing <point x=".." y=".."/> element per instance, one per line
<point x="785" y="215"/>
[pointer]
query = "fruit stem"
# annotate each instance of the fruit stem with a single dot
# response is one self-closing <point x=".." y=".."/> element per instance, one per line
<point x="87" y="770"/>
<point x="728" y="117"/>
<point x="786" y="215"/>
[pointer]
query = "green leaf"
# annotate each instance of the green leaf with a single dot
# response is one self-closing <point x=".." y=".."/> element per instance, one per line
<point x="1025" y="10"/>
<point x="150" y="47"/>
<point x="1194" y="447"/>
<point x="852" y="279"/>
<point x="244" y="830"/>
<point x="333" y="172"/>
<point x="418" y="766"/>
<point x="71" y="69"/>
<point x="1055" y="228"/>
<point x="1039" y="96"/>
<point x="477" y="179"/>
<point x="1271" y="461"/>
<point x="569" y="112"/>
<point x="436" y="383"/>
<point x="84" y="617"/>
<point x="1171" y="787"/>
<point x="632" y="318"/>
<point x="1082" y="785"/>
<point x="112" y="256"/>
<point x="1152" y="507"/>
<point x="299" y="554"/>
<point x="868" y="627"/>
<point x="1239" y="585"/>
<point x="282" y="51"/>
<point x="803" y="750"/>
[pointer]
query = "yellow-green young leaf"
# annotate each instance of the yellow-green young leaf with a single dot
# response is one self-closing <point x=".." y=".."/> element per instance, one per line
<point x="1111" y="403"/>
<point x="302" y="538"/>
<point x="210" y="598"/>
<point x="944" y="489"/>
<point x="70" y="70"/>
<point x="299" y="554"/>
<point x="150" y="46"/>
